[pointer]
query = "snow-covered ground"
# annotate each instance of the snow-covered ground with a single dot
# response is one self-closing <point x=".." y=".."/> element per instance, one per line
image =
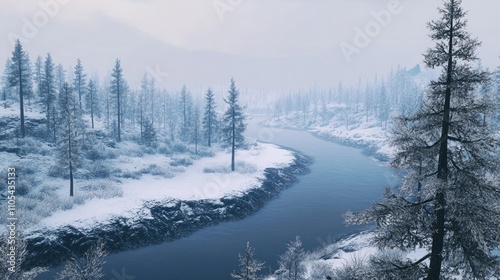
<point x="206" y="179"/>
<point x="369" y="134"/>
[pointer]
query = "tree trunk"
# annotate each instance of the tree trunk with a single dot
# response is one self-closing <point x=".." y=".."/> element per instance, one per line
<point x="439" y="231"/>
<point x="92" y="107"/>
<point x="118" y="109"/>
<point x="209" y="126"/>
<point x="21" y="103"/>
<point x="70" y="179"/>
<point x="233" y="141"/>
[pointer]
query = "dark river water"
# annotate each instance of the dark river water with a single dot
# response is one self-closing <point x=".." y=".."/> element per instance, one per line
<point x="341" y="178"/>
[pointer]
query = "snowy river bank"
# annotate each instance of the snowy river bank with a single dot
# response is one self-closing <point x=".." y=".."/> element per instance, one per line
<point x="166" y="220"/>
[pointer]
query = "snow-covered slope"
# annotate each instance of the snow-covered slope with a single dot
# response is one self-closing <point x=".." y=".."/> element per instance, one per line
<point x="157" y="208"/>
<point x="202" y="180"/>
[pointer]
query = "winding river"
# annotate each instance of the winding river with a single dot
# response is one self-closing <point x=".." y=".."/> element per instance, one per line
<point x="341" y="178"/>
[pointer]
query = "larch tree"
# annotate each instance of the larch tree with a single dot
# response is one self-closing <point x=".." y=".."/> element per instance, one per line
<point x="233" y="123"/>
<point x="79" y="83"/>
<point x="69" y="146"/>
<point x="249" y="266"/>
<point x="209" y="117"/>
<point x="20" y="76"/>
<point x="118" y="88"/>
<point x="448" y="201"/>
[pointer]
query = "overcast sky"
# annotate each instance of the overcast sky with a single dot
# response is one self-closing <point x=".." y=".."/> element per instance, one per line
<point x="264" y="44"/>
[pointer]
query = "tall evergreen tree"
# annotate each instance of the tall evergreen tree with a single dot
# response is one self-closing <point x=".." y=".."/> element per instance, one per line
<point x="210" y="117"/>
<point x="69" y="146"/>
<point x="249" y="266"/>
<point x="91" y="99"/>
<point x="384" y="107"/>
<point x="196" y="135"/>
<point x="448" y="203"/>
<point x="6" y="87"/>
<point x="79" y="83"/>
<point x="185" y="99"/>
<point x="48" y="91"/>
<point x="60" y="76"/>
<point x="38" y="74"/>
<point x="118" y="88"/>
<point x="20" y="77"/>
<point x="233" y="123"/>
<point x="149" y="135"/>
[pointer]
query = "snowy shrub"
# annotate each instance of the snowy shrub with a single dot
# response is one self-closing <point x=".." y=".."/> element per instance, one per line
<point x="320" y="270"/>
<point x="156" y="170"/>
<point x="353" y="269"/>
<point x="100" y="151"/>
<point x="98" y="170"/>
<point x="150" y="150"/>
<point x="131" y="175"/>
<point x="37" y="205"/>
<point x="25" y="167"/>
<point x="180" y="148"/>
<point x="206" y="152"/>
<point x="25" y="182"/>
<point x="131" y="149"/>
<point x="164" y="148"/>
<point x="245" y="168"/>
<point x="56" y="171"/>
<point x="387" y="264"/>
<point x="66" y="202"/>
<point x="88" y="266"/>
<point x="217" y="169"/>
<point x="181" y="162"/>
<point x="31" y="146"/>
<point x="102" y="190"/>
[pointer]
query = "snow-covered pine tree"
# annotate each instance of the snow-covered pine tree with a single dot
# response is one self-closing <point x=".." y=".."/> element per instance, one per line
<point x="153" y="100"/>
<point x="6" y="88"/>
<point x="149" y="134"/>
<point x="60" y="76"/>
<point x="69" y="146"/>
<point x="448" y="202"/>
<point x="196" y="133"/>
<point x="91" y="99"/>
<point x="292" y="261"/>
<point x="233" y="123"/>
<point x="384" y="106"/>
<point x="79" y="83"/>
<point x="48" y="92"/>
<point x="496" y="97"/>
<point x="143" y="101"/>
<point x="20" y="77"/>
<point x="38" y="74"/>
<point x="209" y="117"/>
<point x="185" y="104"/>
<point x="118" y="88"/>
<point x="249" y="266"/>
